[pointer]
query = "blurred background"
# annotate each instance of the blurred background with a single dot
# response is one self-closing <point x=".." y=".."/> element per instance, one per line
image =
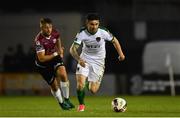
<point x="148" y="30"/>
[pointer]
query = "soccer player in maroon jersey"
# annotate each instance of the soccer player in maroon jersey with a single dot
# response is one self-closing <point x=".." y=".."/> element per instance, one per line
<point x="49" y="62"/>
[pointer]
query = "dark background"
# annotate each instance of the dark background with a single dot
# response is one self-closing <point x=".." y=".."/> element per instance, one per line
<point x="160" y="21"/>
<point x="119" y="16"/>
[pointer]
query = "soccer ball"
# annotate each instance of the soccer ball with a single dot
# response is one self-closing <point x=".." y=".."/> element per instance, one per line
<point x="119" y="105"/>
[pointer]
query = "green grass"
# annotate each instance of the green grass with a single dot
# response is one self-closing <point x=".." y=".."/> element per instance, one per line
<point x="140" y="106"/>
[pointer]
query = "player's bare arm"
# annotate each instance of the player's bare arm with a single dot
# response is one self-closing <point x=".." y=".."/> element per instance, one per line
<point x="118" y="49"/>
<point x="43" y="58"/>
<point x="74" y="53"/>
<point x="60" y="47"/>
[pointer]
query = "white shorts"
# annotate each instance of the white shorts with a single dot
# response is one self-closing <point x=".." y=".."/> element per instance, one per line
<point x="92" y="71"/>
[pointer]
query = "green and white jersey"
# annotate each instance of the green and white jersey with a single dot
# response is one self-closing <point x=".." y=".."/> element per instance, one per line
<point x="93" y="44"/>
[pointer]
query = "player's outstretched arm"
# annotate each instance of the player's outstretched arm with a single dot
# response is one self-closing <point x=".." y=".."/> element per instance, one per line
<point x="74" y="52"/>
<point x="118" y="49"/>
<point x="43" y="58"/>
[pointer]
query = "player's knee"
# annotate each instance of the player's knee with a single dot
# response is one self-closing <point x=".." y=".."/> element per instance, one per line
<point x="62" y="76"/>
<point x="93" y="90"/>
<point x="61" y="72"/>
<point x="94" y="87"/>
<point x="80" y="86"/>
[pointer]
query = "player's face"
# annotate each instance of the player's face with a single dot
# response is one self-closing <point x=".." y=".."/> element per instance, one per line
<point x="92" y="26"/>
<point x="46" y="29"/>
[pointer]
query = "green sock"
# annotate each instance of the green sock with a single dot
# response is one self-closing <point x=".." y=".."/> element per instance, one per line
<point x="87" y="85"/>
<point x="81" y="95"/>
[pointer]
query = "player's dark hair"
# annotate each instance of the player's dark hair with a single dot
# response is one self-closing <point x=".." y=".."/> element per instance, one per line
<point x="92" y="16"/>
<point x="45" y="20"/>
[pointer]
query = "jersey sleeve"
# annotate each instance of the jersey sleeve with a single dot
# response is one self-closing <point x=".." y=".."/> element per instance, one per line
<point x="78" y="39"/>
<point x="108" y="36"/>
<point x="39" y="47"/>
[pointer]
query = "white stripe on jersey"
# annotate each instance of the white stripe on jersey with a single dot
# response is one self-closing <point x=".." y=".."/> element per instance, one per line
<point x="43" y="50"/>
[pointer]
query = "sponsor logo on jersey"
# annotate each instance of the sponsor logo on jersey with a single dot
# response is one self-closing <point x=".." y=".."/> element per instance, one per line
<point x="93" y="46"/>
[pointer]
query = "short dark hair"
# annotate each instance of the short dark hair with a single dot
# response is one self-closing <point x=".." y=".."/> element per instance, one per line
<point x="45" y="20"/>
<point x="92" y="16"/>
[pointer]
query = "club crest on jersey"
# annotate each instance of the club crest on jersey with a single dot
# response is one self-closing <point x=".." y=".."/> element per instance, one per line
<point x="54" y="40"/>
<point x="37" y="43"/>
<point x="98" y="39"/>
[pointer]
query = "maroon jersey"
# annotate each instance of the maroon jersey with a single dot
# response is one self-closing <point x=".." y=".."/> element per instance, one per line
<point x="47" y="44"/>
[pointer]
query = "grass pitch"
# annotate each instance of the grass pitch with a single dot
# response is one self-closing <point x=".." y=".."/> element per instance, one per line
<point x="96" y="106"/>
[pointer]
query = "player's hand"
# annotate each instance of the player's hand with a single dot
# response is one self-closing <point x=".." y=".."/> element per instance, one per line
<point x="61" y="52"/>
<point x="121" y="57"/>
<point x="82" y="62"/>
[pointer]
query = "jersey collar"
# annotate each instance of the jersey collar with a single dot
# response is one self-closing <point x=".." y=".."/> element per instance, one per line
<point x="90" y="32"/>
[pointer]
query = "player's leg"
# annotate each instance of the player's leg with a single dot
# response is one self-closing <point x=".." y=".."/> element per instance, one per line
<point x="81" y="91"/>
<point x="64" y="83"/>
<point x="48" y="76"/>
<point x="95" y="78"/>
<point x="81" y="76"/>
<point x="94" y="87"/>
<point x="56" y="92"/>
